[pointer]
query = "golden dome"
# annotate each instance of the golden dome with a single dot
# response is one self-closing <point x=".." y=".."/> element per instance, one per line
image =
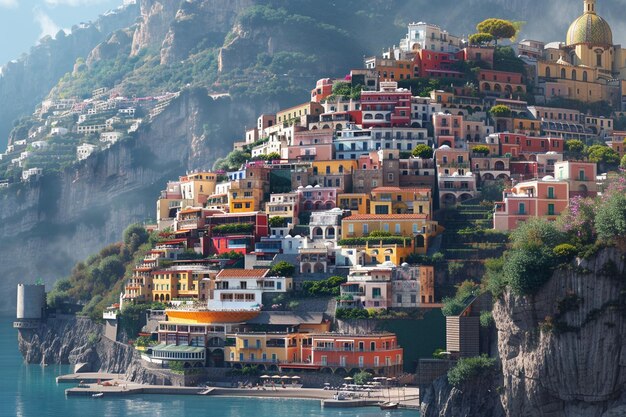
<point x="590" y="29"/>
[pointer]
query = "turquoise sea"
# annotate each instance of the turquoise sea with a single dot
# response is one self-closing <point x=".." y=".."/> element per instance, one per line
<point x="32" y="391"/>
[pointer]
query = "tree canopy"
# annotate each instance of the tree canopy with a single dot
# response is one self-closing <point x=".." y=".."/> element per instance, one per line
<point x="497" y="28"/>
<point x="423" y="151"/>
<point x="500" y="111"/>
<point x="481" y="38"/>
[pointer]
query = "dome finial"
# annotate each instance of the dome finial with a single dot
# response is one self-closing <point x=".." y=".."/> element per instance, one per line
<point x="590" y="6"/>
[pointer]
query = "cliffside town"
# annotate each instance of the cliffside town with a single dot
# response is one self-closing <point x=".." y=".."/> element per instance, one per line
<point x="373" y="197"/>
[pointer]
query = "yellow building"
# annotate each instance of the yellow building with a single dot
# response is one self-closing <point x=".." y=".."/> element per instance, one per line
<point x="197" y="187"/>
<point x="334" y="167"/>
<point x="358" y="203"/>
<point x="528" y="126"/>
<point x="297" y="114"/>
<point x="396" y="200"/>
<point x="261" y="348"/>
<point x="169" y="285"/>
<point x="589" y="67"/>
<point x="417" y="227"/>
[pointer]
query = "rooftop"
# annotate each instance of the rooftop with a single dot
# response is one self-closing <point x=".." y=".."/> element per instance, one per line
<point x="243" y="273"/>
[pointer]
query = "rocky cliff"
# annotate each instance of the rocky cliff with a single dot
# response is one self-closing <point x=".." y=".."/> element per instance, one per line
<point x="48" y="226"/>
<point x="562" y="352"/>
<point x="71" y="340"/>
<point x="26" y="81"/>
<point x="475" y="398"/>
<point x="74" y="340"/>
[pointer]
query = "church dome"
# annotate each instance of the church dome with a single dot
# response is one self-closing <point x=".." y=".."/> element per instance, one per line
<point x="590" y="29"/>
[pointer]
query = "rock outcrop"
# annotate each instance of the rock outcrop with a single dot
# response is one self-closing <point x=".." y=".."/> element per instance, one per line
<point x="475" y="398"/>
<point x="72" y="340"/>
<point x="563" y="351"/>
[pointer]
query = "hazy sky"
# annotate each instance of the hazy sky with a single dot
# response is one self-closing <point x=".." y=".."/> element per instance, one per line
<point x="24" y="22"/>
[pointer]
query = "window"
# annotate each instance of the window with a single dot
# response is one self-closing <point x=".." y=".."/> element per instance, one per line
<point x="365" y="229"/>
<point x="550" y="192"/>
<point x="386" y="227"/>
<point x="522" y="208"/>
<point x="551" y="209"/>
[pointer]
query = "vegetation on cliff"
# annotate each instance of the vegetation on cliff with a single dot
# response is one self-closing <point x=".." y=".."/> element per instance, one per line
<point x="98" y="281"/>
<point x="538" y="247"/>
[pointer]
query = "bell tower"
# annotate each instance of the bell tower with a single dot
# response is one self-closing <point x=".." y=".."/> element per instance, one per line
<point x="590" y="6"/>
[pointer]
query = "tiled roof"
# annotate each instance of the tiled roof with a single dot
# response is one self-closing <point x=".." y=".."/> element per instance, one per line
<point x="400" y="189"/>
<point x="243" y="273"/>
<point x="386" y="217"/>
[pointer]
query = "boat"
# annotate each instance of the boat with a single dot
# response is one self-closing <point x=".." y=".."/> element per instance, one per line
<point x="388" y="405"/>
<point x="98" y="394"/>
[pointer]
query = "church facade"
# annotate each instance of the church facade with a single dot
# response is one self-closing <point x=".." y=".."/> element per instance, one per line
<point x="588" y="67"/>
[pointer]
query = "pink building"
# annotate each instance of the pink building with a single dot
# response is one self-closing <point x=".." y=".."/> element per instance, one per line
<point x="317" y="198"/>
<point x="448" y="129"/>
<point x="580" y="175"/>
<point x="310" y="145"/>
<point x="545" y="198"/>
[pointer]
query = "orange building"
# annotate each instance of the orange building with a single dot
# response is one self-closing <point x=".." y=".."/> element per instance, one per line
<point x="341" y="354"/>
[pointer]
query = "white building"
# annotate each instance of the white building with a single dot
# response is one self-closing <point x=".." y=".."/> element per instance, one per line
<point x="242" y="289"/>
<point x="430" y="37"/>
<point x="32" y="173"/>
<point x="110" y="137"/>
<point x="83" y="151"/>
<point x="353" y="141"/>
<point x="58" y="131"/>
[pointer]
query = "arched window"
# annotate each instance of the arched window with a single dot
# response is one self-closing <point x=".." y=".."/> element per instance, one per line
<point x="598" y="59"/>
<point x="548" y="72"/>
<point x="574" y="75"/>
<point x="562" y="72"/>
<point x="584" y="75"/>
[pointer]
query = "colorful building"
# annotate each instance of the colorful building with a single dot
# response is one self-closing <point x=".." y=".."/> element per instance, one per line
<point x="580" y="175"/>
<point x="546" y="198"/>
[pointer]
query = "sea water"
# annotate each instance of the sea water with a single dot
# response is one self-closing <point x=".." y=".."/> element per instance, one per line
<point x="32" y="391"/>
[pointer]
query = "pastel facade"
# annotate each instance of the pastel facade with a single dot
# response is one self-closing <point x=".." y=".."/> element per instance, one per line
<point x="580" y="175"/>
<point x="546" y="198"/>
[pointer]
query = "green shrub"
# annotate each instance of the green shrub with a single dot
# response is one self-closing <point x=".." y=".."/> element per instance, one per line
<point x="325" y="287"/>
<point x="486" y="318"/>
<point x="468" y="369"/>
<point x="611" y="216"/>
<point x="465" y="291"/>
<point x="527" y="270"/>
<point x="362" y="377"/>
<point x="351" y="313"/>
<point x="233" y="228"/>
<point x="282" y="269"/>
<point x="565" y="252"/>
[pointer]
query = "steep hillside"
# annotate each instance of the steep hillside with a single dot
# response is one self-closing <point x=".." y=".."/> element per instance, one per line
<point x="25" y="82"/>
<point x="48" y="226"/>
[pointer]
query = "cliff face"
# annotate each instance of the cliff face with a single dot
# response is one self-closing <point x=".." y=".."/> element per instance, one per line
<point x="475" y="398"/>
<point x="575" y="365"/>
<point x="72" y="340"/>
<point x="562" y="352"/>
<point x="25" y="82"/>
<point x="48" y="226"/>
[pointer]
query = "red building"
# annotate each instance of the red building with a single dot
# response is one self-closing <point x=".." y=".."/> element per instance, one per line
<point x="236" y="232"/>
<point x="517" y="144"/>
<point x="432" y="64"/>
<point x="386" y="108"/>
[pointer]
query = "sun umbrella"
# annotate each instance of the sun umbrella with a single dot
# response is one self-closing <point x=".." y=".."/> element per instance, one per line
<point x="276" y="376"/>
<point x="285" y="377"/>
<point x="295" y="377"/>
<point x="265" y="376"/>
<point x="348" y="378"/>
